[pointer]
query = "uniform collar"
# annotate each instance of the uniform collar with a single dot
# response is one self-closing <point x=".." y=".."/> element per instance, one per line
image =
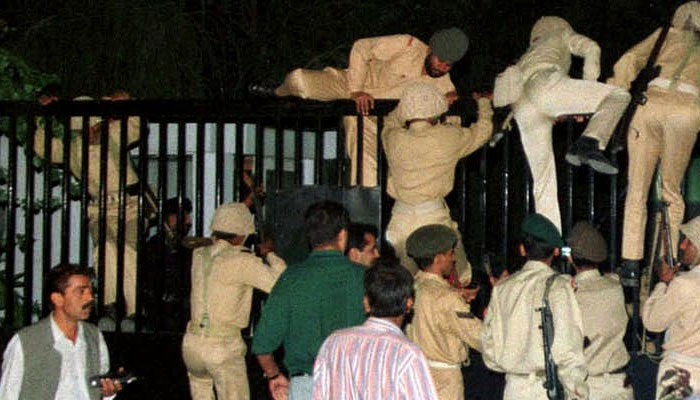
<point x="537" y="266"/>
<point x="432" y="277"/>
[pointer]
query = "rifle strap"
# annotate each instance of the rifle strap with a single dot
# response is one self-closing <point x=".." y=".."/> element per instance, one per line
<point x="547" y="286"/>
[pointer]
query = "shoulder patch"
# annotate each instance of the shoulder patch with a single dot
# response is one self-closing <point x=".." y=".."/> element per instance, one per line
<point x="465" y="314"/>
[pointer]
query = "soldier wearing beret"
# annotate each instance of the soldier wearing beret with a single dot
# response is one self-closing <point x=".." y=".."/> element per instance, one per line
<point x="511" y="336"/>
<point x="422" y="154"/>
<point x="443" y="325"/>
<point x="223" y="277"/>
<point x="380" y="68"/>
<point x="602" y="305"/>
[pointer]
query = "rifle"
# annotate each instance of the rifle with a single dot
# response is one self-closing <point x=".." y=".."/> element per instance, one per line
<point x="638" y="89"/>
<point x="555" y="390"/>
<point x="665" y="223"/>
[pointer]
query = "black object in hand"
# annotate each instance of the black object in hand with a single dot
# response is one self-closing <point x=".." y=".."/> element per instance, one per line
<point x="123" y="378"/>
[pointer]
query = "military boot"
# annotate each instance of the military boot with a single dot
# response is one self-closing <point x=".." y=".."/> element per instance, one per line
<point x="585" y="151"/>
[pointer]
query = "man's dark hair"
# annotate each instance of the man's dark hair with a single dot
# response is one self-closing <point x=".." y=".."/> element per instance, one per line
<point x="423" y="262"/>
<point x="387" y="287"/>
<point x="58" y="277"/>
<point x="324" y="221"/>
<point x="171" y="206"/>
<point x="537" y="249"/>
<point x="356" y="236"/>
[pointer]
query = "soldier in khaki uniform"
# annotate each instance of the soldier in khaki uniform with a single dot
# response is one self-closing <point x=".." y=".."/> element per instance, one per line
<point x="674" y="307"/>
<point x="511" y="335"/>
<point x="223" y="277"/>
<point x="93" y="187"/>
<point x="443" y="325"/>
<point x="605" y="318"/>
<point x="664" y="129"/>
<point x="422" y="160"/>
<point x="546" y="92"/>
<point x="379" y="68"/>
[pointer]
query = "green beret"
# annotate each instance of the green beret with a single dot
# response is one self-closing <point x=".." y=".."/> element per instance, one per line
<point x="430" y="240"/>
<point x="449" y="45"/>
<point x="538" y="226"/>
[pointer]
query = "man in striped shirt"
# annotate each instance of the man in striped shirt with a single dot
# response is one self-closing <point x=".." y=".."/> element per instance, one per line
<point x="375" y="360"/>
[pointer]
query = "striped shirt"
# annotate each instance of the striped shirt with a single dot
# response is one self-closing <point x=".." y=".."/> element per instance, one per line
<point x="372" y="361"/>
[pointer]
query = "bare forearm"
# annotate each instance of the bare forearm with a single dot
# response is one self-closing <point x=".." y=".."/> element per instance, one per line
<point x="268" y="364"/>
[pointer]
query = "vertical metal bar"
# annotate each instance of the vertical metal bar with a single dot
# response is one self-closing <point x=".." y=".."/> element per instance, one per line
<point x="340" y="154"/>
<point x="11" y="215"/>
<point x="199" y="196"/>
<point x="141" y="238"/>
<point x="279" y="153"/>
<point x="359" y="156"/>
<point x="219" y="163"/>
<point x="162" y="197"/>
<point x="238" y="158"/>
<point x="102" y="219"/>
<point x="505" y="207"/>
<point x="568" y="183"/>
<point x="260" y="152"/>
<point x="46" y="212"/>
<point x="318" y="152"/>
<point x="482" y="205"/>
<point x="29" y="226"/>
<point x="181" y="174"/>
<point x="85" y="200"/>
<point x="298" y="155"/>
<point x="121" y="219"/>
<point x="65" y="195"/>
<point x="383" y="221"/>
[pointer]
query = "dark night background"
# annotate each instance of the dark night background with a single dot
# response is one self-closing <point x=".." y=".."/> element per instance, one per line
<point x="213" y="49"/>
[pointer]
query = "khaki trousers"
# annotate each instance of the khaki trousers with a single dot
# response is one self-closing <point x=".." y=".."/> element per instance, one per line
<point x="609" y="387"/>
<point x="404" y="222"/>
<point x="663" y="130"/>
<point x="547" y="95"/>
<point x="449" y="383"/>
<point x="214" y="362"/>
<point x="111" y="250"/>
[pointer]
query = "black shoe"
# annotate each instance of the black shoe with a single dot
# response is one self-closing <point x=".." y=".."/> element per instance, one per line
<point x="585" y="151"/>
<point x="261" y="90"/>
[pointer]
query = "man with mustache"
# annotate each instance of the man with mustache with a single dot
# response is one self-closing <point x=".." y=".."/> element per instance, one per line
<point x="674" y="307"/>
<point x="55" y="358"/>
<point x="379" y="68"/>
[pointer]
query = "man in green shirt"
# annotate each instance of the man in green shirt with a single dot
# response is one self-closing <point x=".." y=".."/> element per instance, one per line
<point x="309" y="301"/>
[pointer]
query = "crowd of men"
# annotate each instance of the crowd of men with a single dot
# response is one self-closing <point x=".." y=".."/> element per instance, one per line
<point x="354" y="325"/>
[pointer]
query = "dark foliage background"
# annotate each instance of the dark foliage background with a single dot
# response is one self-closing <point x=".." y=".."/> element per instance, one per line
<point x="214" y="48"/>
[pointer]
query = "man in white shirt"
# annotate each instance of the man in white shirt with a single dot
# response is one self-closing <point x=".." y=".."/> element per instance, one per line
<point x="55" y="358"/>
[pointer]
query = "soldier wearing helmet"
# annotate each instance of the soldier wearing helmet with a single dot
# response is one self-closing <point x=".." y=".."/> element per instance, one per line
<point x="422" y="154"/>
<point x="223" y="277"/>
<point x="380" y="68"/>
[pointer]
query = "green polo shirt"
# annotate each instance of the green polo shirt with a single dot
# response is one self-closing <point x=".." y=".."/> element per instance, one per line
<point x="309" y="301"/>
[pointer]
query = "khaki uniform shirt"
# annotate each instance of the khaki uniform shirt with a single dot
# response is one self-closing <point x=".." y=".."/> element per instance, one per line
<point x="602" y="305"/>
<point x="512" y="337"/>
<point x="229" y="287"/>
<point x="674" y="51"/>
<point x="554" y="50"/>
<point x="443" y="325"/>
<point x="94" y="166"/>
<point x="676" y="309"/>
<point x="383" y="66"/>
<point x="422" y="159"/>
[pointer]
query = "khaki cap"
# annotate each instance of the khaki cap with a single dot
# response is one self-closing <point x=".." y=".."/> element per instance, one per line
<point x="233" y="218"/>
<point x="586" y="242"/>
<point x="421" y="100"/>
